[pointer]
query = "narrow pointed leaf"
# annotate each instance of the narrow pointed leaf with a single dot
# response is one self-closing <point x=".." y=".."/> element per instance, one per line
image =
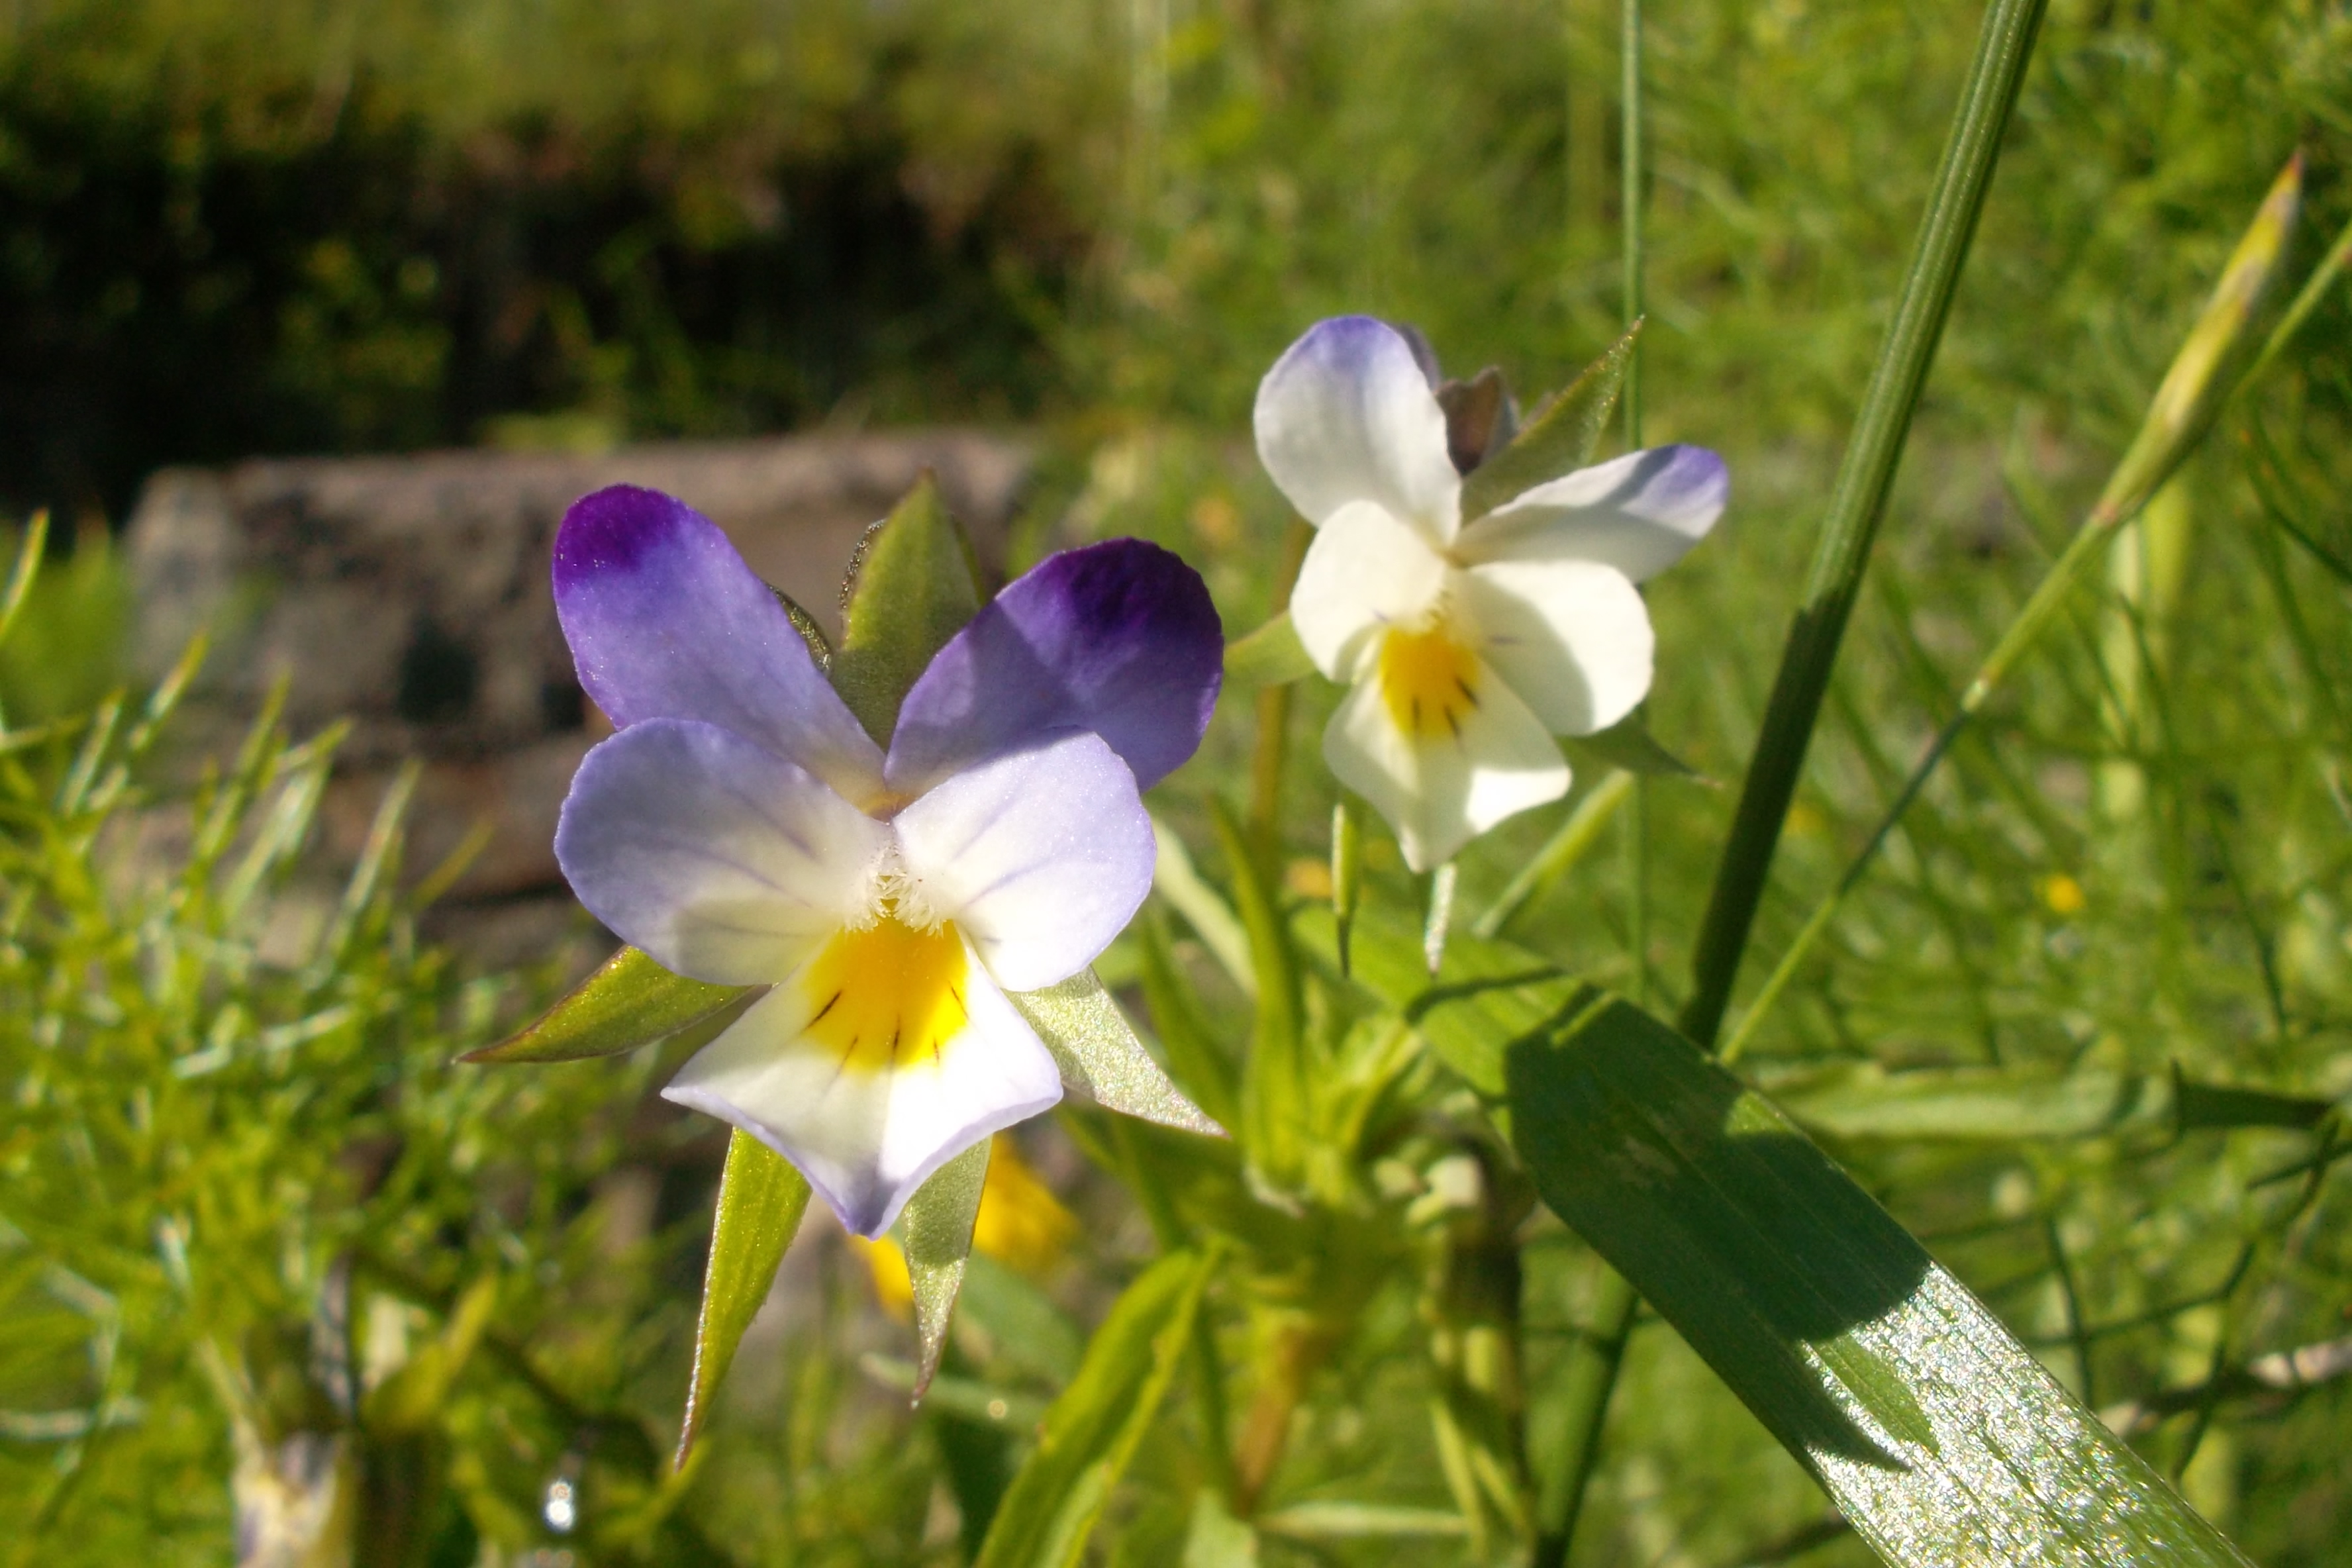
<point x="1092" y="1430"/>
<point x="915" y="585"/>
<point x="1270" y="656"/>
<point x="1174" y="879"/>
<point x="760" y="1201"/>
<point x="1558" y="440"/>
<point x="1627" y="745"/>
<point x="1199" y="1060"/>
<point x="1276" y="1093"/>
<point x="1940" y="1437"/>
<point x="1097" y="1051"/>
<point x="631" y="1001"/>
<point x="820" y="646"/>
<point x="939" y="1221"/>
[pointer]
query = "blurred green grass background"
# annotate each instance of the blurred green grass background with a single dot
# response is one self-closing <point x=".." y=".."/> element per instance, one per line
<point x="230" y="226"/>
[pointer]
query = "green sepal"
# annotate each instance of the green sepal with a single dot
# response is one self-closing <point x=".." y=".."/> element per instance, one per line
<point x="1628" y="744"/>
<point x="914" y="583"/>
<point x="938" y="1223"/>
<point x="1098" y="1053"/>
<point x="1270" y="656"/>
<point x="1560" y="438"/>
<point x="762" y="1199"/>
<point x="630" y="1001"/>
<point x="820" y="646"/>
<point x="1865" y="1357"/>
<point x="1091" y="1431"/>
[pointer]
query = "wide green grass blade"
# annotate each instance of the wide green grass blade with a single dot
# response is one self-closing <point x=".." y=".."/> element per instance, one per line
<point x="1940" y="1437"/>
<point x="1092" y="1430"/>
<point x="761" y="1202"/>
<point x="629" y="1002"/>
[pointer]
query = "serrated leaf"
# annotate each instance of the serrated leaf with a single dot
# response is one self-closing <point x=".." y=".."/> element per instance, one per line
<point x="915" y="583"/>
<point x="1560" y="438"/>
<point x="820" y="646"/>
<point x="938" y="1227"/>
<point x="630" y="1001"/>
<point x="1940" y="1437"/>
<point x="761" y="1200"/>
<point x="1628" y="746"/>
<point x="1091" y="1431"/>
<point x="1270" y="656"/>
<point x="1098" y="1053"/>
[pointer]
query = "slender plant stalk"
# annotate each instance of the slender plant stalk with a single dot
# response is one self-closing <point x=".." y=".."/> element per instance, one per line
<point x="1577" y="1414"/>
<point x="2004" y="48"/>
<point x="1267" y="761"/>
<point x="2184" y="409"/>
<point x="1570" y="845"/>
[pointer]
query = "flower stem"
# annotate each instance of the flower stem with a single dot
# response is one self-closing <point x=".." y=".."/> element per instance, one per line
<point x="1570" y="1433"/>
<point x="2004" y="46"/>
<point x="1630" y="198"/>
<point x="1266" y="763"/>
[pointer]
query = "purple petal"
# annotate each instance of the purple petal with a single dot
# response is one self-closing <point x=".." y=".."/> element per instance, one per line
<point x="666" y="622"/>
<point x="1117" y="637"/>
<point x="1347" y="415"/>
<point x="1640" y="513"/>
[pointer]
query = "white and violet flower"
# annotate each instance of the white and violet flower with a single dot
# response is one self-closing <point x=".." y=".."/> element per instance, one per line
<point x="742" y="828"/>
<point x="1466" y="648"/>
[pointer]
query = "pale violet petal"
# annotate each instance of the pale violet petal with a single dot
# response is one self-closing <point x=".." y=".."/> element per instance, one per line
<point x="1118" y="637"/>
<point x="867" y="1137"/>
<point x="1041" y="857"/>
<point x="1572" y="638"/>
<point x="1440" y="792"/>
<point x="666" y="622"/>
<point x="940" y="1217"/>
<point x="1346" y="415"/>
<point x="1639" y="513"/>
<point x="1100" y="1057"/>
<point x="1364" y="571"/>
<point x="721" y="860"/>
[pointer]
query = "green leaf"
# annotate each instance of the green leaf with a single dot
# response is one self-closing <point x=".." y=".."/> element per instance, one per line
<point x="1098" y="1052"/>
<point x="411" y="1399"/>
<point x="915" y="584"/>
<point x="1216" y="1539"/>
<point x="1196" y="1057"/>
<point x="1019" y="1322"/>
<point x="1863" y="1100"/>
<point x="1174" y="879"/>
<point x="938" y="1221"/>
<point x="1092" y="1430"/>
<point x="1486" y="994"/>
<point x="1558" y="440"/>
<point x="1339" y="1520"/>
<point x="820" y="646"/>
<point x="1939" y="1435"/>
<point x="1277" y="1096"/>
<point x="631" y="1001"/>
<point x="1270" y="656"/>
<point x="1628" y="745"/>
<point x="760" y="1201"/>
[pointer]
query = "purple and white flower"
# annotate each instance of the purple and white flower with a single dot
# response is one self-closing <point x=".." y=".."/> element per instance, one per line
<point x="1467" y="644"/>
<point x="742" y="828"/>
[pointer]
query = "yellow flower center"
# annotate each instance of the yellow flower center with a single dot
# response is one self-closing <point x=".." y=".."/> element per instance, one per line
<point x="887" y="994"/>
<point x="1428" y="679"/>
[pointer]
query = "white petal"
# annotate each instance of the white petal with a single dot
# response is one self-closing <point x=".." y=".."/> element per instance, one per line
<point x="867" y="1139"/>
<point x="1571" y="637"/>
<point x="1439" y="792"/>
<point x="1365" y="571"/>
<point x="720" y="858"/>
<point x="1640" y="513"/>
<point x="1347" y="415"/>
<point x="1042" y="857"/>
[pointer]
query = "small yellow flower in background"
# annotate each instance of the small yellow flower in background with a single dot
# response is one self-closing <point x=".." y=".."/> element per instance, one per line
<point x="1804" y="822"/>
<point x="1308" y="878"/>
<point x="1022" y="1225"/>
<point x="2061" y="894"/>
